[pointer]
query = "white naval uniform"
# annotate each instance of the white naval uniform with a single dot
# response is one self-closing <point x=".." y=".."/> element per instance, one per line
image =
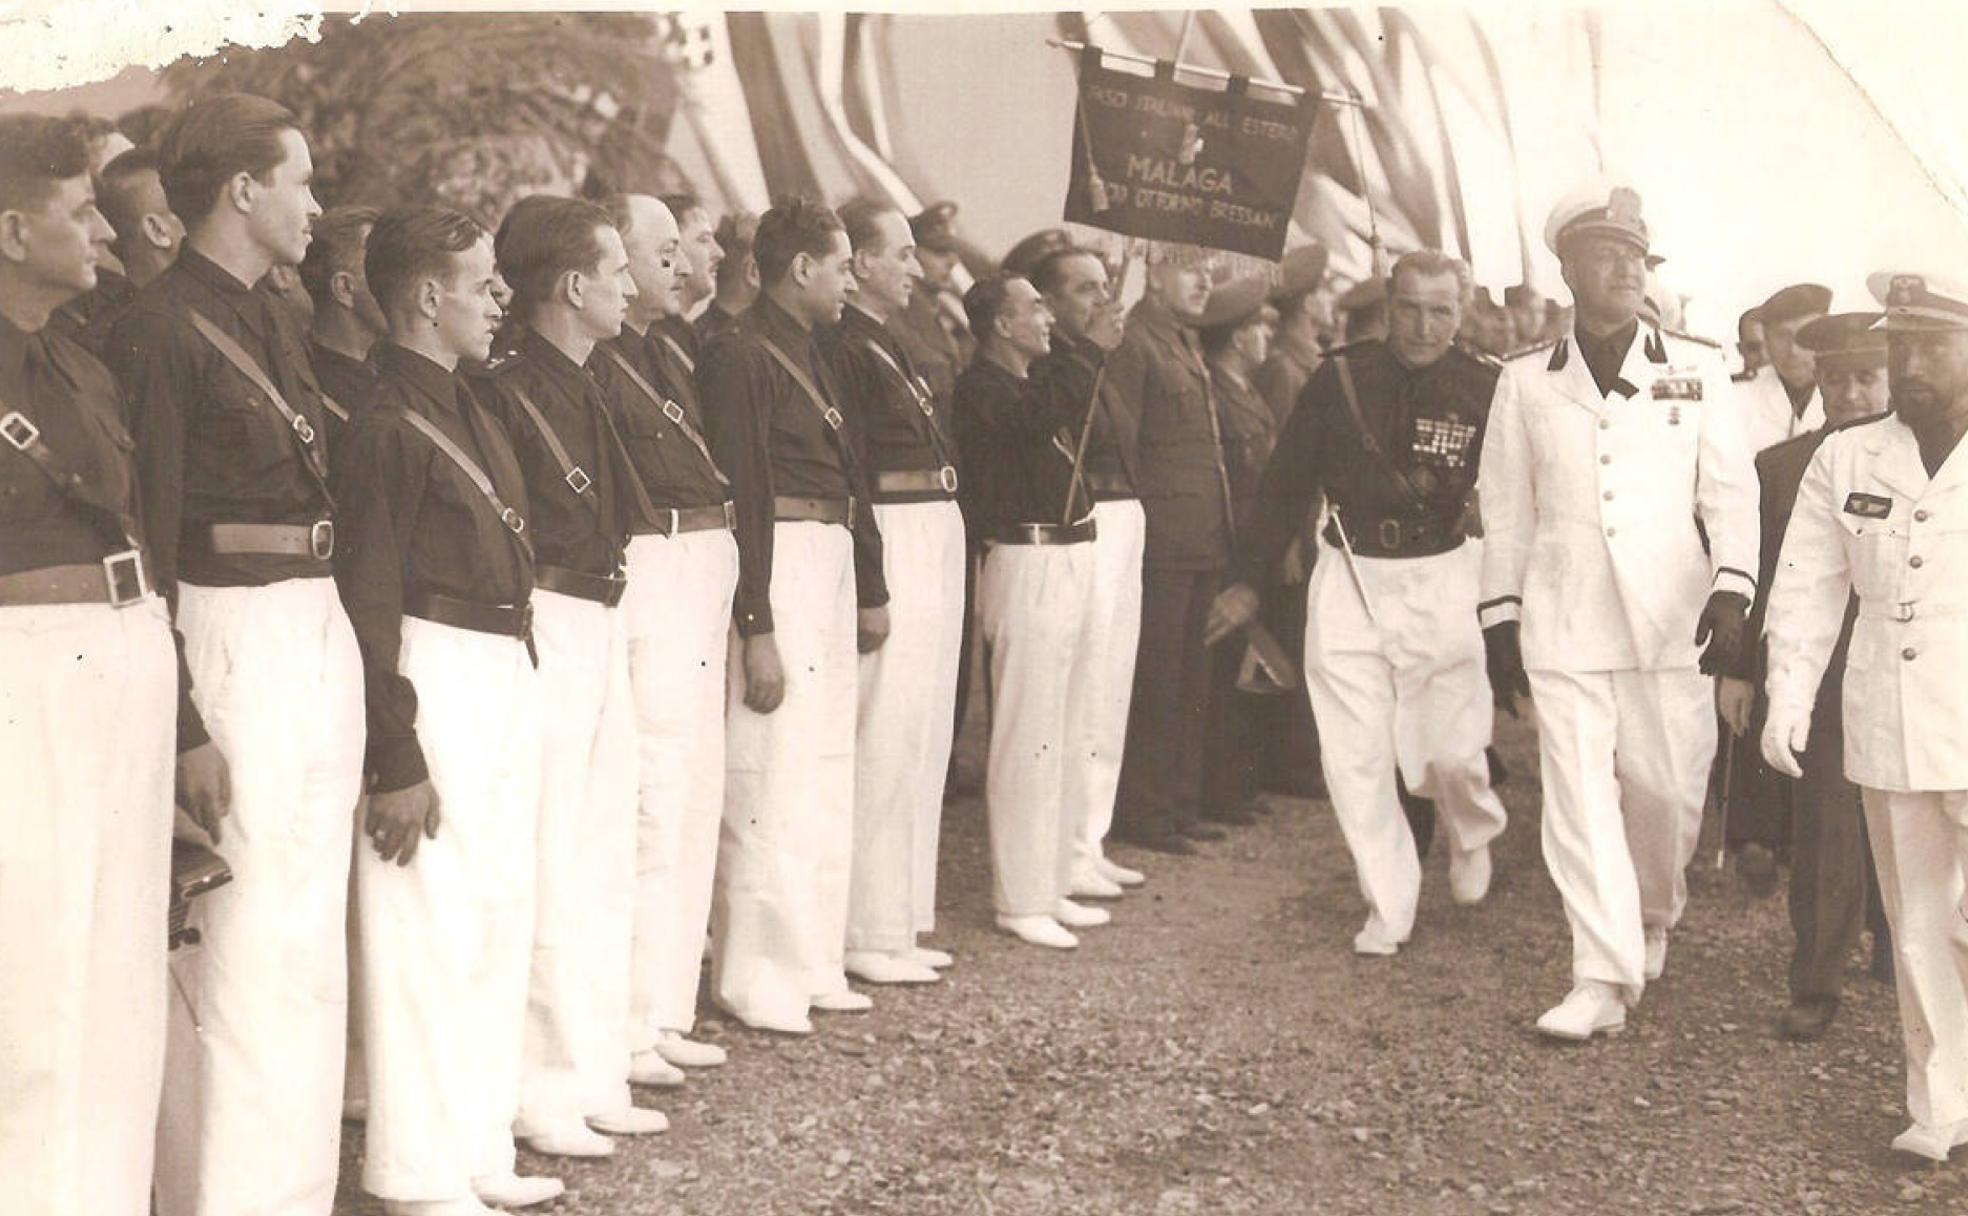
<point x="1401" y="685"/>
<point x="1105" y="689"/>
<point x="779" y="910"/>
<point x="1590" y="504"/>
<point x="577" y="1017"/>
<point x="253" y="1073"/>
<point x="447" y="941"/>
<point x="1869" y="520"/>
<point x="908" y="695"/>
<point x="86" y="759"/>
<point x="678" y="609"/>
<point x="1768" y="417"/>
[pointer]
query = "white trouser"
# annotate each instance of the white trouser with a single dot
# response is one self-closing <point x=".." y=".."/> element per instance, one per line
<point x="1624" y="757"/>
<point x="908" y="694"/>
<point x="1404" y="688"/>
<point x="87" y="705"/>
<point x="779" y="913"/>
<point x="1099" y="715"/>
<point x="1033" y="605"/>
<point x="447" y="940"/>
<point x="678" y="611"/>
<point x="1920" y="848"/>
<point x="253" y="1089"/>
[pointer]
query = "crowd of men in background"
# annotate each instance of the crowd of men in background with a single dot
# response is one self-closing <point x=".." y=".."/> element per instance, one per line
<point x="514" y="609"/>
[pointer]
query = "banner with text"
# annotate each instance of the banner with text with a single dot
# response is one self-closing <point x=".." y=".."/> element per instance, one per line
<point x="1167" y="161"/>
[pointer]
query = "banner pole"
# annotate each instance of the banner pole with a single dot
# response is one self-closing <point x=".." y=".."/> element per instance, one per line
<point x="1197" y="69"/>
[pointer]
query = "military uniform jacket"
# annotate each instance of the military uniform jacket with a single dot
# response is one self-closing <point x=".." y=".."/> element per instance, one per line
<point x="1590" y="504"/>
<point x="1779" y="471"/>
<point x="898" y="423"/>
<point x="1768" y="416"/>
<point x="1283" y="376"/>
<point x="1870" y="520"/>
<point x="1067" y="374"/>
<point x="346" y="385"/>
<point x="1159" y="393"/>
<point x="673" y="472"/>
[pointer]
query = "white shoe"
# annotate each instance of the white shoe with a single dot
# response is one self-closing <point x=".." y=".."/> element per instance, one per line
<point x="878" y="968"/>
<point x="630" y="1121"/>
<point x="578" y="1140"/>
<point x="1590" y="1008"/>
<point x="512" y="1190"/>
<point x="1079" y="916"/>
<point x="437" y="1207"/>
<point x="1374" y="941"/>
<point x="844" y="1001"/>
<point x="1039" y="931"/>
<point x="1656" y="953"/>
<point x="686" y="1052"/>
<point x="1469" y="874"/>
<point x="1931" y="1141"/>
<point x="1089" y="884"/>
<point x="651" y="1068"/>
<point x="937" y="959"/>
<point x="788" y="1022"/>
<point x="1120" y="875"/>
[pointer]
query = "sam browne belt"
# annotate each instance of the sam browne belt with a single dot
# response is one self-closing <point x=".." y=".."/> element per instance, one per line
<point x="1044" y="534"/>
<point x="605" y="589"/>
<point x="814" y="510"/>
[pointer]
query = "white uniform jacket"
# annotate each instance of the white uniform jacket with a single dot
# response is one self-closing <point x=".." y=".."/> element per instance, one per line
<point x="1590" y="504"/>
<point x="1869" y="520"/>
<point x="1768" y="418"/>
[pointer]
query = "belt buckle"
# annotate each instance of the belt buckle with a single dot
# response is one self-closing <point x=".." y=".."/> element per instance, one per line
<point x="321" y="539"/>
<point x="304" y="428"/>
<point x="1389" y="534"/>
<point x="578" y="479"/>
<point x="514" y="521"/>
<point x="947" y="475"/>
<point x="673" y="412"/>
<point x="128" y="582"/>
<point x="1903" y="611"/>
<point x="730" y="515"/>
<point x="676" y="522"/>
<point x="18" y="431"/>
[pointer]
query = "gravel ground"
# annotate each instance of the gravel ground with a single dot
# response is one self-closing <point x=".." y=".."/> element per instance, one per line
<point x="1220" y="1050"/>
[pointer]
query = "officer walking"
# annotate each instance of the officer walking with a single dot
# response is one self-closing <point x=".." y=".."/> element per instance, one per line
<point x="1390" y="430"/>
<point x="85" y="723"/>
<point x="1879" y="516"/>
<point x="1602" y="452"/>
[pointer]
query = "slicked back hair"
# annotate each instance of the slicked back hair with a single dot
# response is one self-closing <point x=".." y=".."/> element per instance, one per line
<point x="214" y="139"/>
<point x="735" y="233"/>
<point x="985" y="302"/>
<point x="1431" y="263"/>
<point x="682" y="204"/>
<point x="862" y="220"/>
<point x="1049" y="271"/>
<point x="410" y="244"/>
<point x="335" y="247"/>
<point x="117" y="192"/>
<point x="542" y="238"/>
<point x="36" y="153"/>
<point x="793" y="226"/>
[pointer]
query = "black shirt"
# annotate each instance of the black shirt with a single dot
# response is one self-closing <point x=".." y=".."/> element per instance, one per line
<point x="349" y="383"/>
<point x="714" y="320"/>
<point x="88" y="318"/>
<point x="1068" y="372"/>
<point x="1428" y="423"/>
<point x="898" y="424"/>
<point x="581" y="531"/>
<point x="1018" y="449"/>
<point x="673" y="472"/>
<point x="412" y="521"/>
<point x="1604" y="356"/>
<point x="769" y="438"/>
<point x="678" y="339"/>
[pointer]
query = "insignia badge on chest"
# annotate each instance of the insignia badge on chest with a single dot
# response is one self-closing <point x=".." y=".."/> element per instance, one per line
<point x="1678" y="388"/>
<point x="1868" y="506"/>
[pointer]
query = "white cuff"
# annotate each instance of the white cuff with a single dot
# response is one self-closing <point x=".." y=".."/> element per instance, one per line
<point x="1499" y="610"/>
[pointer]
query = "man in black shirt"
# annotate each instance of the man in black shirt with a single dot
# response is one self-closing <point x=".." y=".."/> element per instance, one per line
<point x="346" y="318"/>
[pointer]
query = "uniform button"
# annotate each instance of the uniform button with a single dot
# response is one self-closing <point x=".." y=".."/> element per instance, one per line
<point x="1605" y="424"/>
<point x="1605" y="460"/>
<point x="1609" y="531"/>
<point x="1608" y="496"/>
<point x="1909" y="654"/>
<point x="1914" y="561"/>
<point x="1920" y="517"/>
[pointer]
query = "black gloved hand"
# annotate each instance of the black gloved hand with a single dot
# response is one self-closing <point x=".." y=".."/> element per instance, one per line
<point x="1505" y="660"/>
<point x="1720" y="631"/>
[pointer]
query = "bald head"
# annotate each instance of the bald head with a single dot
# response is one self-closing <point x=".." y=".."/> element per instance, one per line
<point x="656" y="263"/>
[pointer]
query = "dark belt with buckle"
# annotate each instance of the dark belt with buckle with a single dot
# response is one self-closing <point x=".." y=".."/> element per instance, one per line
<point x="1108" y="486"/>
<point x="604" y="589"/>
<point x="118" y="580"/>
<point x="814" y="510"/>
<point x="1393" y="535"/>
<point x="1044" y="534"/>
<point x="506" y="620"/>
<point x="670" y="521"/>
<point x="916" y="485"/>
<point x="315" y="540"/>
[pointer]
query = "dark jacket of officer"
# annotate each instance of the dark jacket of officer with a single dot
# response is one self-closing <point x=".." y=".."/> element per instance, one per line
<point x="899" y="424"/>
<point x="674" y="472"/>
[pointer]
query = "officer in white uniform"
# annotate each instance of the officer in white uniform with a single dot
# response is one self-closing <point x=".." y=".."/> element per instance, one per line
<point x="1881" y="514"/>
<point x="1603" y="450"/>
<point x="1780" y="400"/>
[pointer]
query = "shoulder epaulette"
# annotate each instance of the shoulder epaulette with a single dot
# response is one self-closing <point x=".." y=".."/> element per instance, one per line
<point x="1695" y="338"/>
<point x="1532" y="349"/>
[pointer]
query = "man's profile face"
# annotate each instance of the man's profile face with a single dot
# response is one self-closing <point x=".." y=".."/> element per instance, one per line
<point x="1749" y="343"/>
<point x="608" y="290"/>
<point x="1080" y="292"/>
<point x="699" y="239"/>
<point x="284" y="209"/>
<point x="468" y="310"/>
<point x="63" y="239"/>
<point x="1025" y="320"/>
<point x="829" y="280"/>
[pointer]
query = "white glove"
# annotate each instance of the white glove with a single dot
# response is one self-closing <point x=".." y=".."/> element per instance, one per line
<point x="1785" y="732"/>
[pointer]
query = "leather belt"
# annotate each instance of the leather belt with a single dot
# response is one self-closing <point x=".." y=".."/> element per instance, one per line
<point x="1044" y="534"/>
<point x="815" y="510"/>
<point x="1110" y="485"/>
<point x="506" y="620"/>
<point x="672" y="520"/>
<point x="605" y="589"/>
<point x="118" y="580"/>
<point x="1394" y="536"/>
<point x="316" y="540"/>
<point x="916" y="485"/>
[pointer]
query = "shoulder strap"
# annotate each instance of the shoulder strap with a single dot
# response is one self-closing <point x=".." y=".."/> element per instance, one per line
<point x="828" y="414"/>
<point x="574" y="475"/>
<point x="334" y="407"/>
<point x="676" y="348"/>
<point x="1368" y="439"/>
<point x="515" y="524"/>
<point x="920" y="393"/>
<point x="243" y="363"/>
<point x="671" y="410"/>
<point x="20" y="433"/>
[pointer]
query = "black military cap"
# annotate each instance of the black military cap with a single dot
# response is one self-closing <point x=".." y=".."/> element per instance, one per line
<point x="1033" y="249"/>
<point x="1845" y="341"/>
<point x="1794" y="301"/>
<point x="936" y="228"/>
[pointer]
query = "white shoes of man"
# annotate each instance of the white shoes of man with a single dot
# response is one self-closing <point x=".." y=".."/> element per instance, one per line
<point x="1119" y="875"/>
<point x="578" y="1140"/>
<point x="1656" y="953"/>
<point x="1079" y="916"/>
<point x="1591" y="1008"/>
<point x="1090" y="884"/>
<point x="512" y="1190"/>
<point x="1469" y="874"/>
<point x="844" y="1001"/>
<point x="936" y="959"/>
<point x="651" y="1068"/>
<point x="687" y="1052"/>
<point x="630" y="1121"/>
<point x="437" y="1207"/>
<point x="1374" y="941"/>
<point x="1930" y="1140"/>
<point x="878" y="968"/>
<point x="1039" y="931"/>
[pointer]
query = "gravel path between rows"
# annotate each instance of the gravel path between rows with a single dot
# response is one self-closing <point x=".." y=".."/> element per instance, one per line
<point x="1220" y="1050"/>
